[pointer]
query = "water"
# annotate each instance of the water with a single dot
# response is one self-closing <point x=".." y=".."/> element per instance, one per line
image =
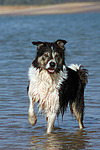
<point x="82" y="31"/>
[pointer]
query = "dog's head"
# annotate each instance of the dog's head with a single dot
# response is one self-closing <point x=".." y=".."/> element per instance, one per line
<point x="50" y="56"/>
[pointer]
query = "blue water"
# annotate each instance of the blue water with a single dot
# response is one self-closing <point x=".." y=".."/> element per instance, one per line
<point x="82" y="31"/>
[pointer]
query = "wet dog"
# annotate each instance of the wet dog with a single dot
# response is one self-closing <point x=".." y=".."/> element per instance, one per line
<point x="54" y="85"/>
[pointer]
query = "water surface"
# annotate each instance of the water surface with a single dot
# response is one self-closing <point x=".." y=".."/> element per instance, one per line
<point x="82" y="31"/>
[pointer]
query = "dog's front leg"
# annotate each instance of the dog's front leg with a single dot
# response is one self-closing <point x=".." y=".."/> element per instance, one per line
<point x="50" y="121"/>
<point x="31" y="114"/>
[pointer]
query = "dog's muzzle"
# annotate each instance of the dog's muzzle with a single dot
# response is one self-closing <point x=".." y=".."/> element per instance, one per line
<point x="51" y="66"/>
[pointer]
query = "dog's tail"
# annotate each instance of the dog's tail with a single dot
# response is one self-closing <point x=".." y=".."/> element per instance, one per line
<point x="82" y="72"/>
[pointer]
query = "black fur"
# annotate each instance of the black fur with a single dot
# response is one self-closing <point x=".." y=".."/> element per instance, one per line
<point x="68" y="89"/>
<point x="72" y="91"/>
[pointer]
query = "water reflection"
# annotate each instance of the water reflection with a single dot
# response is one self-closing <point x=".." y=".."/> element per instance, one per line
<point x="60" y="141"/>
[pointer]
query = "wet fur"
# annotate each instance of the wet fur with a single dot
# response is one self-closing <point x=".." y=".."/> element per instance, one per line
<point x="54" y="85"/>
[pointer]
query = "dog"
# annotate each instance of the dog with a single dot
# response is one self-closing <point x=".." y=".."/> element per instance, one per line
<point x="54" y="85"/>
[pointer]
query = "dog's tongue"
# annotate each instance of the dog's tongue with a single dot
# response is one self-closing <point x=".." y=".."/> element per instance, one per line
<point x="51" y="70"/>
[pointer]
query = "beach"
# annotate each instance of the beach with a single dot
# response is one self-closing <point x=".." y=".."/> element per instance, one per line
<point x="65" y="8"/>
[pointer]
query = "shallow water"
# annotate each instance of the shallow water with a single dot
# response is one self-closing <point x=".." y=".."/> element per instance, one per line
<point x="82" y="31"/>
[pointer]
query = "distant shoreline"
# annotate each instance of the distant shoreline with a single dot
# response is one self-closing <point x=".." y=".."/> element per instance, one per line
<point x="65" y="8"/>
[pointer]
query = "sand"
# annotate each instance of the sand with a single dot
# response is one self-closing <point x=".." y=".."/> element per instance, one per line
<point x="66" y="8"/>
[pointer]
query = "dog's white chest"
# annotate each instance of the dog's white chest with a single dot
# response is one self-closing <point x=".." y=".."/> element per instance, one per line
<point x="45" y="89"/>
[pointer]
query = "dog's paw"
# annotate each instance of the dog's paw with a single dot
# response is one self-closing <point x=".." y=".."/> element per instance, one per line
<point x="32" y="120"/>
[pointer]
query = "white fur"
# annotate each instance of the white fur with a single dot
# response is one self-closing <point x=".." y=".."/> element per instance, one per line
<point x="43" y="88"/>
<point x="74" y="67"/>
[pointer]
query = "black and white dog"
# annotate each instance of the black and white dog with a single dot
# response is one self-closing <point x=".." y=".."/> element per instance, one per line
<point x="54" y="85"/>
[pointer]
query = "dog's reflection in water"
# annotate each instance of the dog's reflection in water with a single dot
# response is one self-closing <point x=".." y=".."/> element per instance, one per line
<point x="60" y="141"/>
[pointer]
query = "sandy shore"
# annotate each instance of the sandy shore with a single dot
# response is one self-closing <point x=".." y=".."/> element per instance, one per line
<point x="51" y="9"/>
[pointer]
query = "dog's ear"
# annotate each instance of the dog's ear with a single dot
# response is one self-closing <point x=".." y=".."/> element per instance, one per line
<point x="39" y="44"/>
<point x="61" y="43"/>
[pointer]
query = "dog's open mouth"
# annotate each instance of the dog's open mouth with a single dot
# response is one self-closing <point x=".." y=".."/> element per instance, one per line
<point x="50" y="70"/>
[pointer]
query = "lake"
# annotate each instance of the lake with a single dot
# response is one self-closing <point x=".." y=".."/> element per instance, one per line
<point x="82" y="32"/>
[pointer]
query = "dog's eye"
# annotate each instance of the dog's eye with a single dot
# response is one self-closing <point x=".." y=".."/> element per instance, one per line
<point x="57" y="56"/>
<point x="45" y="56"/>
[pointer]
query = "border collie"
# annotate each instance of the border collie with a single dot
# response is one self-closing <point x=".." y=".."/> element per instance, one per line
<point x="54" y="85"/>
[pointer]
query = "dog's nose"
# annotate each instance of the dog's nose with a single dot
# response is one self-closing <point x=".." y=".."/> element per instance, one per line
<point x="52" y="64"/>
